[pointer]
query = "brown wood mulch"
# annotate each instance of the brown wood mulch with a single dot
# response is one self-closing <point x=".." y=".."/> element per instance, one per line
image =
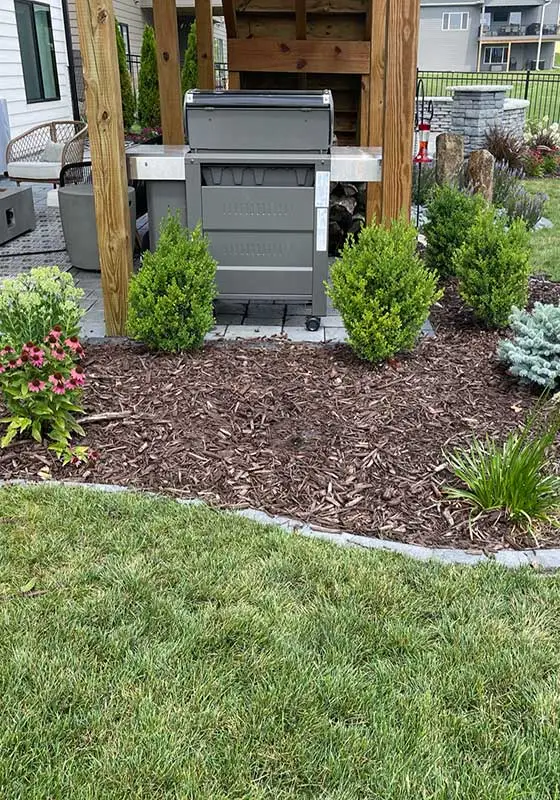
<point x="305" y="431"/>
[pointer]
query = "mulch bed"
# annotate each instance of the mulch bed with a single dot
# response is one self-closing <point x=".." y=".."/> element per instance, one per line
<point x="305" y="431"/>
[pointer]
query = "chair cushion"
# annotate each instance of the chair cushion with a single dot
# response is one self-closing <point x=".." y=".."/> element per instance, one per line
<point x="35" y="170"/>
<point x="52" y="152"/>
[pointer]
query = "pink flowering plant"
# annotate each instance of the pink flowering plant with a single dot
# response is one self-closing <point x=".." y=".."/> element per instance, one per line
<point x="42" y="384"/>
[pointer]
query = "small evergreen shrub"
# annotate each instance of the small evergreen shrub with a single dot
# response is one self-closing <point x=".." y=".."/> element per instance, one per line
<point x="128" y="101"/>
<point x="450" y="213"/>
<point x="33" y="303"/>
<point x="505" y="146"/>
<point x="515" y="476"/>
<point x="149" y="115"/>
<point x="493" y="266"/>
<point x="189" y="73"/>
<point x="170" y="298"/>
<point x="533" y="354"/>
<point x="382" y="290"/>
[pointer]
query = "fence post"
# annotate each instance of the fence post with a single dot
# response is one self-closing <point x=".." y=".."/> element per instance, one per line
<point x="527" y="80"/>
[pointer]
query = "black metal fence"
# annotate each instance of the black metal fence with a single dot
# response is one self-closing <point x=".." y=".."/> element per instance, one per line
<point x="542" y="89"/>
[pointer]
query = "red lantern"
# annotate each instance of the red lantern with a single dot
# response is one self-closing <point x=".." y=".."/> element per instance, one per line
<point x="424" y="136"/>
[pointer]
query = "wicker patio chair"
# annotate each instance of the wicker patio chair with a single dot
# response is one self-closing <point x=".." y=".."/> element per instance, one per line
<point x="40" y="153"/>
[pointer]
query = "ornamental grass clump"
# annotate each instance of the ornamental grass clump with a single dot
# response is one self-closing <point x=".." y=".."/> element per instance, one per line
<point x="33" y="303"/>
<point x="533" y="354"/>
<point x="450" y="213"/>
<point x="171" y="297"/>
<point x="382" y="290"/>
<point x="493" y="266"/>
<point x="41" y="384"/>
<point x="516" y="476"/>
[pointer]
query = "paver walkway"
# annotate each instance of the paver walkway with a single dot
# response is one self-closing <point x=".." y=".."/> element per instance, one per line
<point x="234" y="320"/>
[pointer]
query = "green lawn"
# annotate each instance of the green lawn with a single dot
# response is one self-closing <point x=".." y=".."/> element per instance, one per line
<point x="185" y="654"/>
<point x="546" y="242"/>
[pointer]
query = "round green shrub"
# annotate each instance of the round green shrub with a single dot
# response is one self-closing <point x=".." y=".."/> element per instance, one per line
<point x="493" y="266"/>
<point x="382" y="290"/>
<point x="128" y="101"/>
<point x="170" y="299"/>
<point x="149" y="115"/>
<point x="450" y="213"/>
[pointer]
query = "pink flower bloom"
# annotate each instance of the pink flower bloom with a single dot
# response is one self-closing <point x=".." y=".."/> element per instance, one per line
<point x="57" y="381"/>
<point x="6" y="350"/>
<point x="27" y="347"/>
<point x="36" y="385"/>
<point x="36" y="359"/>
<point x="13" y="363"/>
<point x="71" y="384"/>
<point x="73" y="343"/>
<point x="56" y="332"/>
<point x="2" y="368"/>
<point x="58" y="353"/>
<point x="77" y="375"/>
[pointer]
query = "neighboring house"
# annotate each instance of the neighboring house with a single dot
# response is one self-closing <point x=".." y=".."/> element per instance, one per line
<point x="34" y="75"/>
<point x="490" y="37"/>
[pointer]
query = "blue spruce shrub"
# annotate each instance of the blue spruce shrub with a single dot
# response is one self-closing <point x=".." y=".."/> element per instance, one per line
<point x="533" y="355"/>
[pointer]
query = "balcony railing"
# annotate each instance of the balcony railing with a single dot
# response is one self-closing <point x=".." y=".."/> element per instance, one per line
<point x="501" y="29"/>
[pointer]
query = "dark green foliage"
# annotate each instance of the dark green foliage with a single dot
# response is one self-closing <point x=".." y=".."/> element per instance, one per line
<point x="170" y="299"/>
<point x="515" y="477"/>
<point x="189" y="74"/>
<point x="148" y="87"/>
<point x="423" y="182"/>
<point x="493" y="266"/>
<point x="450" y="214"/>
<point x="382" y="290"/>
<point x="505" y="146"/>
<point x="127" y="95"/>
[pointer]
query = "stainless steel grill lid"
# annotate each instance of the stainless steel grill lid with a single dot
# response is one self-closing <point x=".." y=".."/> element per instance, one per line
<point x="296" y="121"/>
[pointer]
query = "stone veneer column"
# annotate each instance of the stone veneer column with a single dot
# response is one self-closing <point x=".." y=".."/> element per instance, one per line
<point x="474" y="110"/>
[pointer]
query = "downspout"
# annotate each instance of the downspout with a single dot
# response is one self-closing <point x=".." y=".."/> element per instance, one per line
<point x="482" y="13"/>
<point x="71" y="65"/>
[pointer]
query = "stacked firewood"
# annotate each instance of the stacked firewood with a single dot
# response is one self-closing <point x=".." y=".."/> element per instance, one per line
<point x="347" y="213"/>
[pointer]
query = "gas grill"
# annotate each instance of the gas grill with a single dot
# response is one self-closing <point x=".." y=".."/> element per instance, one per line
<point x="256" y="174"/>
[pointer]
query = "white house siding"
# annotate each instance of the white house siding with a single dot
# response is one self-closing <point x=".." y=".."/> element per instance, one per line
<point x="126" y="11"/>
<point x="448" y="50"/>
<point x="24" y="115"/>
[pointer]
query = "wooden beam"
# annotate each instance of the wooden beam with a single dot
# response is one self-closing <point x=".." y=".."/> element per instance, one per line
<point x="376" y="110"/>
<point x="230" y="18"/>
<point x="400" y="92"/>
<point x="313" y="6"/>
<point x="204" y="44"/>
<point x="301" y="20"/>
<point x="319" y="55"/>
<point x="96" y="28"/>
<point x="169" y="73"/>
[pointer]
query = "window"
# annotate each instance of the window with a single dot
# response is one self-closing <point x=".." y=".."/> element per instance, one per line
<point x="495" y="55"/>
<point x="37" y="51"/>
<point x="500" y="15"/>
<point x="455" y="21"/>
<point x="123" y="27"/>
<point x="515" y="18"/>
<point x="219" y="57"/>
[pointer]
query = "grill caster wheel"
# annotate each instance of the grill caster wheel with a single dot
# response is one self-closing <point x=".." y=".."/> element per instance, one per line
<point x="313" y="323"/>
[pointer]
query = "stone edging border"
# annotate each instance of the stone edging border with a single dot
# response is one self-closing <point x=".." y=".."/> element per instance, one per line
<point x="540" y="559"/>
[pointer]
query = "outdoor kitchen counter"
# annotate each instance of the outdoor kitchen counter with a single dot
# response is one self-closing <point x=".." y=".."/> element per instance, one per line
<point x="167" y="162"/>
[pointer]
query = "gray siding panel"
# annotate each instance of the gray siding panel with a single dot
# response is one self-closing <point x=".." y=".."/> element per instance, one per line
<point x="447" y="50"/>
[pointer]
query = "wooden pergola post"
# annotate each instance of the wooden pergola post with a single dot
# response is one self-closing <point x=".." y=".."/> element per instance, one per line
<point x="401" y="58"/>
<point x="373" y="103"/>
<point x="205" y="44"/>
<point x="169" y="72"/>
<point x="96" y="27"/>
